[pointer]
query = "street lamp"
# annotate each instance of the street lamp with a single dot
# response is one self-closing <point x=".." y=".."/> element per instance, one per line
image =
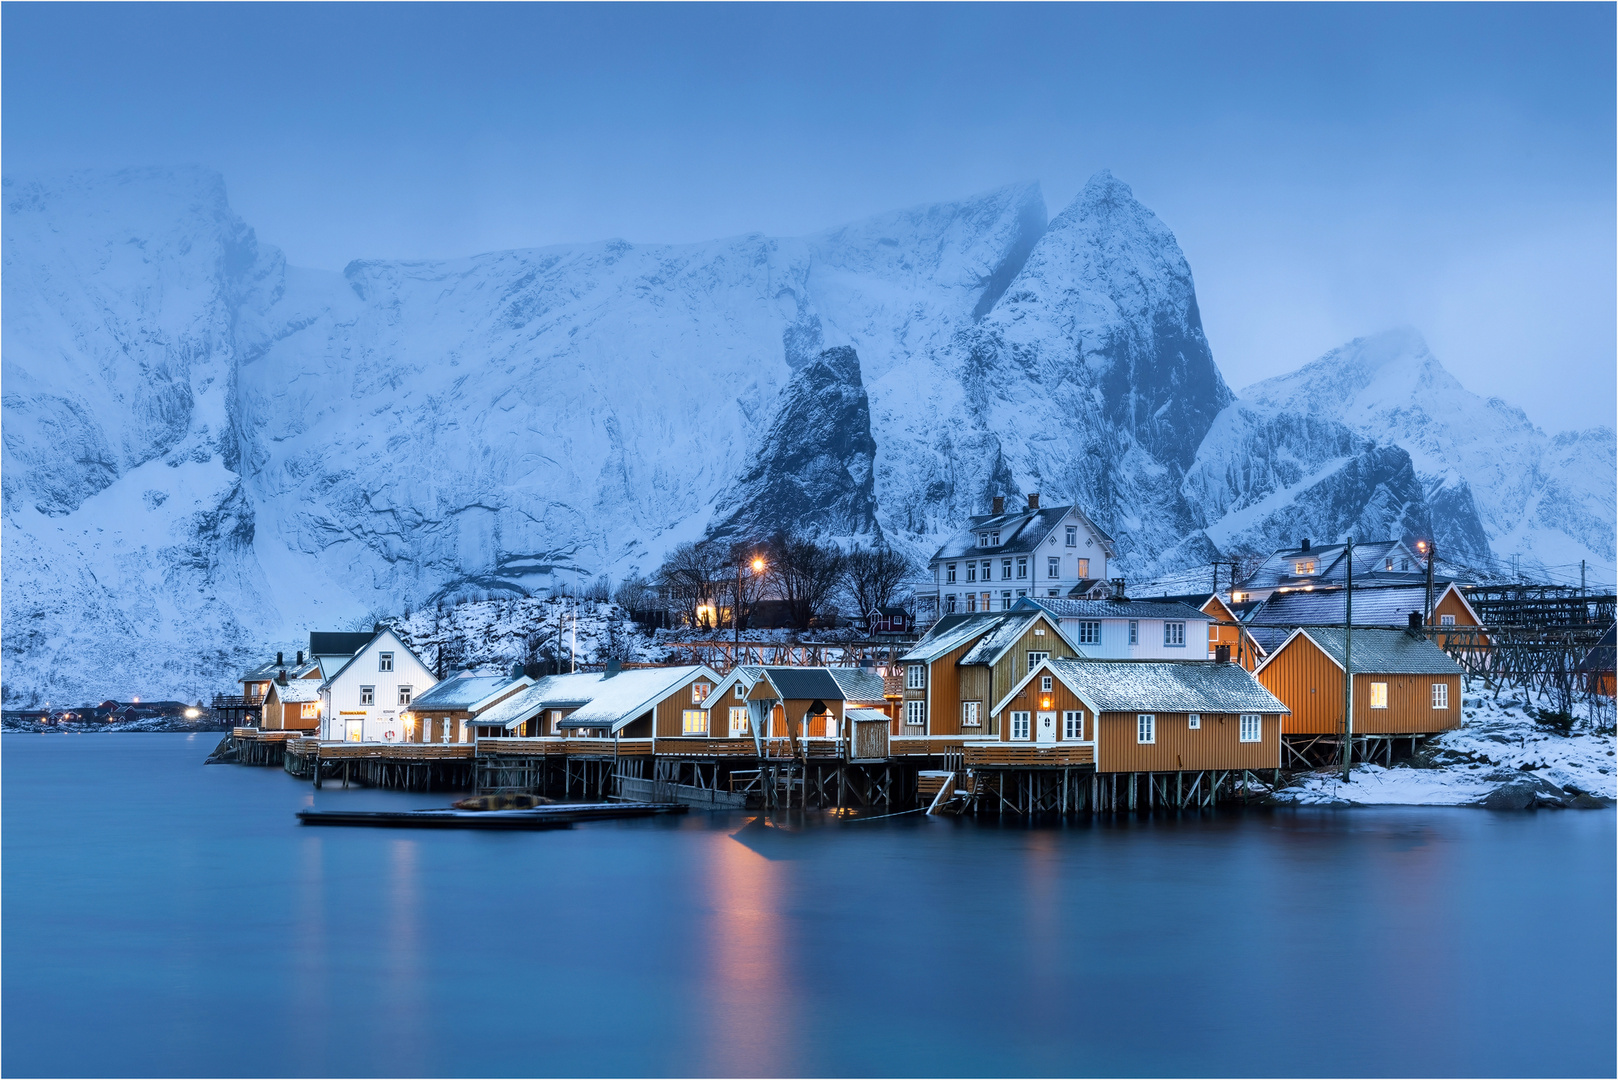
<point x="736" y="610"/>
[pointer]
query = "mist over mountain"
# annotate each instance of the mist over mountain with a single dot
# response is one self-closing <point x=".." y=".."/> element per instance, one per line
<point x="207" y="451"/>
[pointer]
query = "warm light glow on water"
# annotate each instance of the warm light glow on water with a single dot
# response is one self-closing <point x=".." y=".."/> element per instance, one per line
<point x="151" y="904"/>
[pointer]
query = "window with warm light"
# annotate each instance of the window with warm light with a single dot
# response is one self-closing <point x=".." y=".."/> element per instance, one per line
<point x="1084" y="568"/>
<point x="694" y="722"/>
<point x="310" y="710"/>
<point x="700" y="692"/>
<point x="1379" y="695"/>
<point x="738" y="720"/>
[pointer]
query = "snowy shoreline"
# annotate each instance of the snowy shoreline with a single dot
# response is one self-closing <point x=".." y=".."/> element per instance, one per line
<point x="1501" y="757"/>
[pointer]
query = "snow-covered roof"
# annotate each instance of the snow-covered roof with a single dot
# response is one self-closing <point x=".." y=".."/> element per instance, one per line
<point x="627" y="695"/>
<point x="1370" y="563"/>
<point x="1021" y="532"/>
<point x="1375" y="605"/>
<point x="746" y="674"/>
<point x="867" y="714"/>
<point x="551" y="692"/>
<point x="1111" y="609"/>
<point x="467" y="691"/>
<point x="294" y="690"/>
<point x="951" y="632"/>
<point x="1377" y="652"/>
<point x="1168" y="686"/>
<point x="858" y="684"/>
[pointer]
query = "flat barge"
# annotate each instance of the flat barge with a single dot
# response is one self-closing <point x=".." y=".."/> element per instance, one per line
<point x="554" y="816"/>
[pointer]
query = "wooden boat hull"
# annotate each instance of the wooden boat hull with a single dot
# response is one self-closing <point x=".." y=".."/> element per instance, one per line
<point x="555" y="816"/>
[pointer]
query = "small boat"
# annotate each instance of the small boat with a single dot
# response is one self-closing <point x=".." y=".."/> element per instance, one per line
<point x="502" y="802"/>
<point x="551" y="816"/>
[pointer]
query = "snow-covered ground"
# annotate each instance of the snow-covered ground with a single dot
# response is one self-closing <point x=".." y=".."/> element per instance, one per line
<point x="1500" y="744"/>
<point x="492" y="635"/>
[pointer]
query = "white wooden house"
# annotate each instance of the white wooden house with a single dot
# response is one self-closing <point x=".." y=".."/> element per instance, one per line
<point x="366" y="698"/>
<point x="1121" y="629"/>
<point x="1002" y="557"/>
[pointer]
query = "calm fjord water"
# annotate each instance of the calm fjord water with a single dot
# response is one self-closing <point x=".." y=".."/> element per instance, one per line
<point x="161" y="917"/>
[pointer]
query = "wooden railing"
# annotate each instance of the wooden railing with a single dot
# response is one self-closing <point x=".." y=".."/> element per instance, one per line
<point x="1021" y="754"/>
<point x="333" y="751"/>
<point x="304" y="745"/>
<point x="529" y="747"/>
<point x="910" y="745"/>
<point x="686" y="746"/>
<point x="608" y="747"/>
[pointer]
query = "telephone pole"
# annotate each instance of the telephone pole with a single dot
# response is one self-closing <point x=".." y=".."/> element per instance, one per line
<point x="1432" y="554"/>
<point x="1348" y="666"/>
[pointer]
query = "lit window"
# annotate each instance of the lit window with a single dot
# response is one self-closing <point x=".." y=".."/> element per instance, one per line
<point x="1440" y="695"/>
<point x="310" y="710"/>
<point x="915" y="677"/>
<point x="1193" y="720"/>
<point x="1446" y="620"/>
<point x="1022" y="568"/>
<point x="970" y="711"/>
<point x="1084" y="568"/>
<point x="1072" y="724"/>
<point x="738" y="720"/>
<point x="1053" y="567"/>
<point x="1174" y="634"/>
<point x="694" y="722"/>
<point x="971" y="601"/>
<point x="367" y="695"/>
<point x="1134" y="632"/>
<point x="1390" y="562"/>
<point x="1252" y="728"/>
<point x="384" y="661"/>
<point x="915" y="713"/>
<point x="1072" y="536"/>
<point x="1145" y="728"/>
<point x="1305" y="567"/>
<point x="1089" y="633"/>
<point x="404" y="695"/>
<point x="1379" y="695"/>
<point x="1019" y="725"/>
<point x="700" y="692"/>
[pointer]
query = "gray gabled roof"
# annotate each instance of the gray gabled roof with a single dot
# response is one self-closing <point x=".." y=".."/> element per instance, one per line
<point x="951" y="632"/>
<point x="858" y="684"/>
<point x="1160" y="686"/>
<point x="1370" y="562"/>
<point x="1375" y="605"/>
<point x="797" y="683"/>
<point x="1379" y="652"/>
<point x="1021" y="532"/>
<point x="1111" y="609"/>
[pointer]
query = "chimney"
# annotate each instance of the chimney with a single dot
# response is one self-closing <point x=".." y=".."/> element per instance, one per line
<point x="300" y="658"/>
<point x="282" y="677"/>
<point x="999" y="505"/>
<point x="1118" y="589"/>
<point x="1222" y="654"/>
<point x="278" y="660"/>
<point x="613" y="668"/>
<point x="1413" y="624"/>
<point x="1305" y="544"/>
<point x="1033" y="500"/>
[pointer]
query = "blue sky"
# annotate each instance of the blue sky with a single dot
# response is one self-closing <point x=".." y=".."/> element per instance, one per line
<point x="1330" y="170"/>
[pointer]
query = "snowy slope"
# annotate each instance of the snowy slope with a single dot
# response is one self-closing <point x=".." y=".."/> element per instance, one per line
<point x="1548" y="499"/>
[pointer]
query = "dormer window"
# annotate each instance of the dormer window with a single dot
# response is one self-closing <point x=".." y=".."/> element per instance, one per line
<point x="994" y="539"/>
<point x="384" y="661"/>
<point x="1304" y="566"/>
<point x="1390" y="563"/>
<point x="983" y="539"/>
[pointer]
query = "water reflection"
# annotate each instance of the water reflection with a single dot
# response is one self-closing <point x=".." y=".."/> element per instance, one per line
<point x="752" y="1026"/>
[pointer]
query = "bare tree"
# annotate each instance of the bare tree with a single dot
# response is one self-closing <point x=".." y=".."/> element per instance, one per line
<point x="806" y="574"/>
<point x="691" y="577"/>
<point x="873" y="575"/>
<point x="600" y="590"/>
<point x="749" y="573"/>
<point x="634" y="594"/>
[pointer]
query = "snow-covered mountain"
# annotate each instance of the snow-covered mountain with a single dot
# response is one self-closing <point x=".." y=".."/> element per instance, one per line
<point x="207" y="451"/>
<point x="1546" y="499"/>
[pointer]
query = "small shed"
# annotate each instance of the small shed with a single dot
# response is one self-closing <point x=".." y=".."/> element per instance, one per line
<point x="868" y="735"/>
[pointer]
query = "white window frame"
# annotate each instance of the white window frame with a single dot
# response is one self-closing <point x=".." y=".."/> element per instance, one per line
<point x="1084" y="568"/>
<point x="1134" y="631"/>
<point x="1090" y="633"/>
<point x="738" y="720"/>
<point x="983" y="539"/>
<point x="1036" y="658"/>
<point x="1193" y="721"/>
<point x="1440" y="696"/>
<point x="1005" y="569"/>
<point x="1073" y="725"/>
<point x="1446" y="620"/>
<point x="1072" y="536"/>
<point x="404" y="694"/>
<point x="1044" y="684"/>
<point x="916" y="677"/>
<point x="972" y="714"/>
<point x="367" y="695"/>
<point x="1146" y="728"/>
<point x="1252" y="728"/>
<point x="972" y="570"/>
<point x="1053" y="567"/>
<point x="384" y="661"/>
<point x="1005" y="600"/>
<point x="916" y="713"/>
<point x="1022" y="568"/>
<point x="739" y="691"/>
<point x="310" y="711"/>
<point x="1021" y="726"/>
<point x="693" y="721"/>
<point x="700" y="692"/>
<point x="949" y="604"/>
<point x="1379" y="695"/>
<point x="994" y="539"/>
<point x="1174" y="635"/>
<point x="949" y="573"/>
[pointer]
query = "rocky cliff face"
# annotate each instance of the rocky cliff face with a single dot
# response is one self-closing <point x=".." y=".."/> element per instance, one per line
<point x="207" y="452"/>
<point x="814" y="470"/>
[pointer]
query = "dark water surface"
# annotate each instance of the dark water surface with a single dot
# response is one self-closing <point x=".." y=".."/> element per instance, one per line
<point x="165" y="918"/>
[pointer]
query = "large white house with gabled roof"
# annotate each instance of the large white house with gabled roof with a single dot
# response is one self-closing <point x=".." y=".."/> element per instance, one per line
<point x="1001" y="557"/>
<point x="366" y="698"/>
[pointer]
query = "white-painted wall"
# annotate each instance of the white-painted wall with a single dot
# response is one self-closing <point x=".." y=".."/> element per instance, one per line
<point x="340" y="699"/>
<point x="1115" y="640"/>
<point x="1038" y="583"/>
